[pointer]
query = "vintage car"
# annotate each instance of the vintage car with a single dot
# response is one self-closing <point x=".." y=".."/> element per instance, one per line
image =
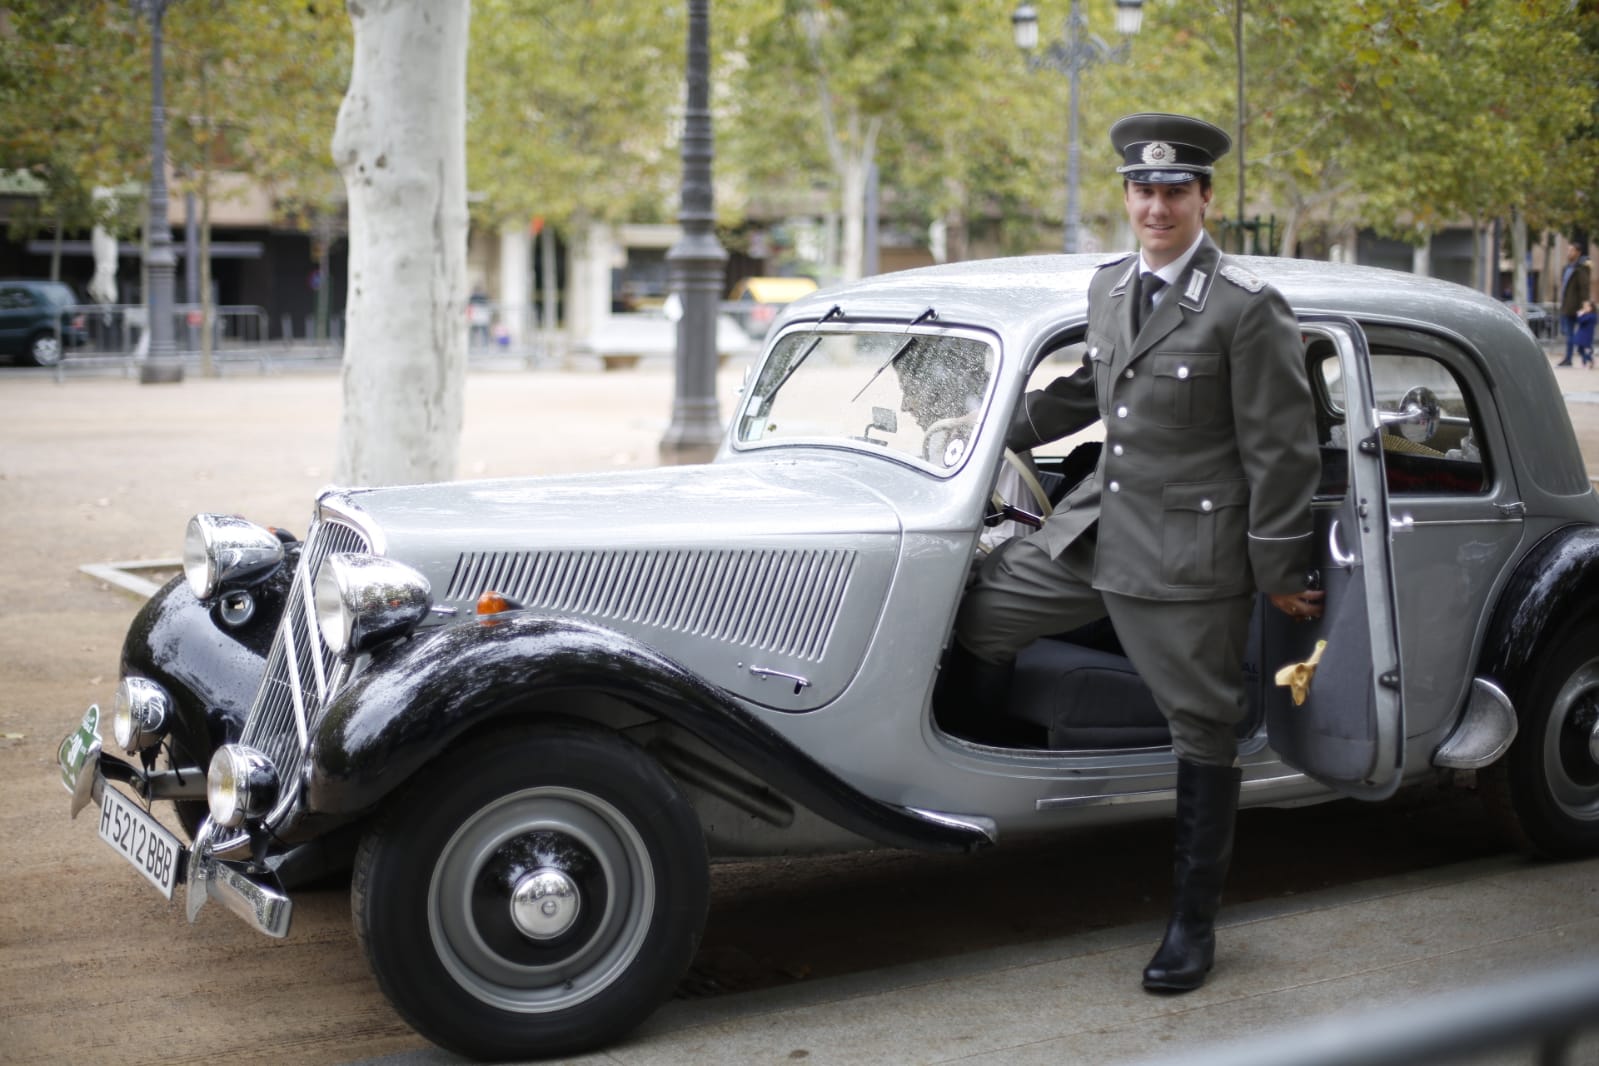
<point x="529" y="712"/>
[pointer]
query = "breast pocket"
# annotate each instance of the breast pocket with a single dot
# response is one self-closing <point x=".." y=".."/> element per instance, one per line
<point x="1100" y="354"/>
<point x="1204" y="533"/>
<point x="1187" y="388"/>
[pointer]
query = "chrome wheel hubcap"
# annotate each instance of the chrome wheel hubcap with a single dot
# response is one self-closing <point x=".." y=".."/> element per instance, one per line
<point x="545" y="903"/>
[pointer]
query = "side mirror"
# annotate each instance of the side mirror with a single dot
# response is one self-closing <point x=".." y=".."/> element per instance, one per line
<point x="1417" y="416"/>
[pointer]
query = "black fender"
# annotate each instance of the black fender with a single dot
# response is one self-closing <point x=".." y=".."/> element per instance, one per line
<point x="1555" y="583"/>
<point x="210" y="669"/>
<point x="422" y="695"/>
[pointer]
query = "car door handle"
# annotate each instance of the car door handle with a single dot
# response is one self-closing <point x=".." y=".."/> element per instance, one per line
<point x="1336" y="549"/>
<point x="1405" y="523"/>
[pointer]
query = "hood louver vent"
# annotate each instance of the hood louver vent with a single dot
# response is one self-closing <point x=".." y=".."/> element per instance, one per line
<point x="785" y="602"/>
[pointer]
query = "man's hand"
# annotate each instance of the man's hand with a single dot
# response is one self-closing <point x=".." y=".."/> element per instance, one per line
<point x="1300" y="606"/>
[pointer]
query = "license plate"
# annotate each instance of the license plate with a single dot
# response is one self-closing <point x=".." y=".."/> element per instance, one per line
<point x="140" y="839"/>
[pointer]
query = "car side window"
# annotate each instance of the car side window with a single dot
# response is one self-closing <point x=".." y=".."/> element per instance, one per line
<point x="13" y="299"/>
<point x="1436" y="459"/>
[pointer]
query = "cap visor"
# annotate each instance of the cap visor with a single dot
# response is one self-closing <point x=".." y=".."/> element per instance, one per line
<point x="1159" y="177"/>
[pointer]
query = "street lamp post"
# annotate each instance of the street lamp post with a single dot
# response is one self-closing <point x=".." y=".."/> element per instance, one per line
<point x="697" y="264"/>
<point x="161" y="364"/>
<point x="1071" y="57"/>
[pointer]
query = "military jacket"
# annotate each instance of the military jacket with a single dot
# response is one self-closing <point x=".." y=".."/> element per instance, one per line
<point x="1210" y="459"/>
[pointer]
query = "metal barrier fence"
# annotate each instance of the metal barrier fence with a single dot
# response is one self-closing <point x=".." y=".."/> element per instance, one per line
<point x="1552" y="1019"/>
<point x="117" y="335"/>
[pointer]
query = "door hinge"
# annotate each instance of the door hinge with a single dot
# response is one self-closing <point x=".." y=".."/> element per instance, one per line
<point x="1370" y="446"/>
<point x="1389" y="679"/>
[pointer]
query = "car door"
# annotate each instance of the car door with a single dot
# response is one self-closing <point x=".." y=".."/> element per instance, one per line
<point x="1348" y="733"/>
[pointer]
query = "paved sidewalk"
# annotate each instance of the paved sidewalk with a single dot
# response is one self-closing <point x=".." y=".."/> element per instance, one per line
<point x="1344" y="953"/>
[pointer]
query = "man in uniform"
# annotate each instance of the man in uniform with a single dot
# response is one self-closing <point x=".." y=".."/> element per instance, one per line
<point x="1201" y="498"/>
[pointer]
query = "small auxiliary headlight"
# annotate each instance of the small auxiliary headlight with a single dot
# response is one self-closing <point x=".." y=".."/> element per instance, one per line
<point x="241" y="783"/>
<point x="223" y="551"/>
<point x="363" y="600"/>
<point x="139" y="715"/>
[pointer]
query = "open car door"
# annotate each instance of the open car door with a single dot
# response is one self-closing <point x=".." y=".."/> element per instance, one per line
<point x="1349" y="731"/>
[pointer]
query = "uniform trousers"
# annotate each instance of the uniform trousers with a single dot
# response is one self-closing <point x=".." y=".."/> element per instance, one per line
<point x="1189" y="652"/>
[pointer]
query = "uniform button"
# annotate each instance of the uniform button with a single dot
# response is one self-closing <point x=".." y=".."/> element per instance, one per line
<point x="1115" y="449"/>
<point x="1115" y="486"/>
<point x="1093" y="353"/>
<point x="1129" y="373"/>
<point x="1206" y="505"/>
<point x="1182" y="373"/>
<point x="1121" y="412"/>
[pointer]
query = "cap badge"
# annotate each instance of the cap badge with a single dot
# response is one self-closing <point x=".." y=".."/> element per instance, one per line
<point x="1156" y="152"/>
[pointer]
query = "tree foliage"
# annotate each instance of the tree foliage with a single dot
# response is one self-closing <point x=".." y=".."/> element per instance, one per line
<point x="572" y="109"/>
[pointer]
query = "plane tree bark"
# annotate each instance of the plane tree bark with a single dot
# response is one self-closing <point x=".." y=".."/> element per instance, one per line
<point x="400" y="144"/>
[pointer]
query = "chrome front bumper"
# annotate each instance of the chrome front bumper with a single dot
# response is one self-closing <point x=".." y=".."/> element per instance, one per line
<point x="264" y="907"/>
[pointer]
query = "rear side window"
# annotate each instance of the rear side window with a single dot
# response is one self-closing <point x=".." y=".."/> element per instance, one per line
<point x="1445" y="459"/>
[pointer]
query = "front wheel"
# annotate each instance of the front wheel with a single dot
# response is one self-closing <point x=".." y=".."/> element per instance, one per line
<point x="535" y="893"/>
<point x="44" y="349"/>
<point x="1546" y="788"/>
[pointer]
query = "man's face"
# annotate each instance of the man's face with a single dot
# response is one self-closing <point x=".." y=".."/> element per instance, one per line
<point x="1572" y="251"/>
<point x="1166" y="218"/>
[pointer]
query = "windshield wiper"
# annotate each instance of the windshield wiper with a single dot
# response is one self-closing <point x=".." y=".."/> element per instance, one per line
<point x="901" y="350"/>
<point x="806" y="354"/>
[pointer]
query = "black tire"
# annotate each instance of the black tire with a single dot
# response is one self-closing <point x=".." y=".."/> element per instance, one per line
<point x="1545" y="791"/>
<point x="447" y="904"/>
<point x="44" y="348"/>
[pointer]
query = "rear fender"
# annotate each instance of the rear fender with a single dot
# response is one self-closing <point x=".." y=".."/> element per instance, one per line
<point x="423" y="695"/>
<point x="1554" y="584"/>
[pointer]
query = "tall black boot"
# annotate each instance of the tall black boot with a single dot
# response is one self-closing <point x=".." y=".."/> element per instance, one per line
<point x="1207" y="803"/>
<point x="971" y="695"/>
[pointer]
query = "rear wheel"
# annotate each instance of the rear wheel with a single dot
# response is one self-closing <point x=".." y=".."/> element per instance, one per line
<point x="44" y="349"/>
<point x="1546" y="788"/>
<point x="535" y="893"/>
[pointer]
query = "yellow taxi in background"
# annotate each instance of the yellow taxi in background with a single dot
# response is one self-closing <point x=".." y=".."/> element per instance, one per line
<point x="758" y="300"/>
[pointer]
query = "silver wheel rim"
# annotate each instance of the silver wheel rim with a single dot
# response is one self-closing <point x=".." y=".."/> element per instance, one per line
<point x="548" y="828"/>
<point x="1569" y="766"/>
<point x="47" y="351"/>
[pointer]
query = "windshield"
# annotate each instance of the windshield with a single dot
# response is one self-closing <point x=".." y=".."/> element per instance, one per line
<point x="918" y="396"/>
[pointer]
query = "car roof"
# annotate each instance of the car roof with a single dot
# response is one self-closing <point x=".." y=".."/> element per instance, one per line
<point x="1025" y="299"/>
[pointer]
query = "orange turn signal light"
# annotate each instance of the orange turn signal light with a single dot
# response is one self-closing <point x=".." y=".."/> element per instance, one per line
<point x="491" y="602"/>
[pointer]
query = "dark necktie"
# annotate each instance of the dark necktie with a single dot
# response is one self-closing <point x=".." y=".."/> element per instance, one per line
<point x="1148" y="286"/>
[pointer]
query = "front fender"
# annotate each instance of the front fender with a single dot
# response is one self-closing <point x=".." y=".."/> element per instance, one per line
<point x="210" y="669"/>
<point x="1556" y="582"/>
<point x="410" y="706"/>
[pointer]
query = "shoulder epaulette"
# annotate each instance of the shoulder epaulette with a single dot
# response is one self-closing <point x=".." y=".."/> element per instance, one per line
<point x="1241" y="277"/>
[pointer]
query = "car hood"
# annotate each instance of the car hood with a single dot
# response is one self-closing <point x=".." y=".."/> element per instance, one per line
<point x="681" y="505"/>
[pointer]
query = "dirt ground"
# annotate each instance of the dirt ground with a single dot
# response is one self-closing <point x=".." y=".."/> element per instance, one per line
<point x="96" y="967"/>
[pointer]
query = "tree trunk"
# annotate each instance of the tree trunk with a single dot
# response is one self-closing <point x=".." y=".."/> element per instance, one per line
<point x="1518" y="249"/>
<point x="400" y="143"/>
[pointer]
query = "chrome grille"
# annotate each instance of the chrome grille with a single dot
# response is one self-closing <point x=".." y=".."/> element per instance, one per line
<point x="785" y="602"/>
<point x="300" y="670"/>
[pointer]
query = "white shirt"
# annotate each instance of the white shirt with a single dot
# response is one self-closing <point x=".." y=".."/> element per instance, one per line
<point x="1172" y="271"/>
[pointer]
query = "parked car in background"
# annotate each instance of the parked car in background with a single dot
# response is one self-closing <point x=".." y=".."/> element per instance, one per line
<point x="529" y="726"/>
<point x="755" y="302"/>
<point x="33" y="323"/>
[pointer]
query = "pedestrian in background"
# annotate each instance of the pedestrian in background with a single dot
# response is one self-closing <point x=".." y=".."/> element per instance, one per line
<point x="1575" y="280"/>
<point x="1584" y="333"/>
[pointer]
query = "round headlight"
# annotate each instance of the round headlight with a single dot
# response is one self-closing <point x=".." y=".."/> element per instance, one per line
<point x="222" y="552"/>
<point x="241" y="783"/>
<point x="139" y="714"/>
<point x="363" y="600"/>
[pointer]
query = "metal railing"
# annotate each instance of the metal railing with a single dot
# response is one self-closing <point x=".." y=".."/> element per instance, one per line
<point x="1543" y="1016"/>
